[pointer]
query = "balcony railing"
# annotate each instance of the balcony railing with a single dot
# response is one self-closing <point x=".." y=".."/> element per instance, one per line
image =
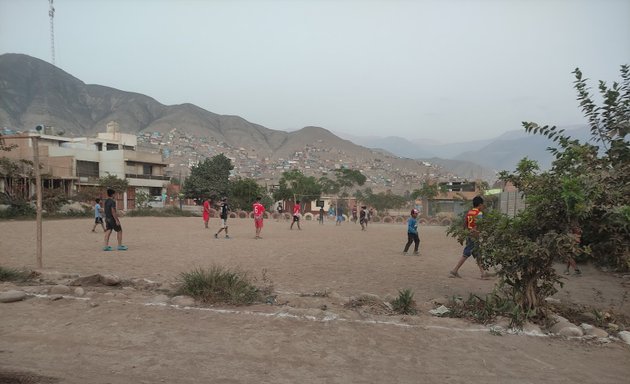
<point x="150" y="177"/>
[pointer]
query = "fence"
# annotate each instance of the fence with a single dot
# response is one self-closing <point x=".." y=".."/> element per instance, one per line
<point x="511" y="203"/>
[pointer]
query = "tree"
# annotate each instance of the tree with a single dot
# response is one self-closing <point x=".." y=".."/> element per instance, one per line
<point x="383" y="201"/>
<point x="294" y="185"/>
<point x="427" y="191"/>
<point x="209" y="178"/>
<point x="347" y="178"/>
<point x="587" y="187"/>
<point x="113" y="182"/>
<point x="244" y="192"/>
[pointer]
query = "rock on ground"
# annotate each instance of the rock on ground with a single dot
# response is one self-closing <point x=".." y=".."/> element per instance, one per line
<point x="59" y="290"/>
<point x="12" y="296"/>
<point x="625" y="336"/>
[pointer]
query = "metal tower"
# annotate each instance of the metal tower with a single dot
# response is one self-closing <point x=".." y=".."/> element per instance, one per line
<point x="51" y="13"/>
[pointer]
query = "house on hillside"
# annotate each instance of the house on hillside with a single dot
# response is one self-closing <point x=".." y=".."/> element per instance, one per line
<point x="73" y="163"/>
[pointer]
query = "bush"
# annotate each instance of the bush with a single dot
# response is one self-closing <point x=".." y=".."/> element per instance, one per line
<point x="485" y="310"/>
<point x="160" y="212"/>
<point x="404" y="303"/>
<point x="18" y="209"/>
<point x="11" y="274"/>
<point x="220" y="285"/>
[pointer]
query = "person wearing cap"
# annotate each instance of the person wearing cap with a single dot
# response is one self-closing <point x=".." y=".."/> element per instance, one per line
<point x="224" y="216"/>
<point x="412" y="233"/>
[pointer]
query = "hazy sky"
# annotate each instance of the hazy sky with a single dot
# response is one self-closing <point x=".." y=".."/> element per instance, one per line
<point x="444" y="70"/>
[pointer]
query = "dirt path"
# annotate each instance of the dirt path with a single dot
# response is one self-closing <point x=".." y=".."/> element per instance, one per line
<point x="112" y="336"/>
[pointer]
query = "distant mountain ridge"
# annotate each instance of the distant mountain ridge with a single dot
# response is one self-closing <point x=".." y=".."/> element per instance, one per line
<point x="480" y="157"/>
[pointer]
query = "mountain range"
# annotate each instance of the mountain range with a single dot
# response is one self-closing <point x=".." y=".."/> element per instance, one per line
<point x="33" y="92"/>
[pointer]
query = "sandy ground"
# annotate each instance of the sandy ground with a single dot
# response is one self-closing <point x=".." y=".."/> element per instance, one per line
<point x="113" y="336"/>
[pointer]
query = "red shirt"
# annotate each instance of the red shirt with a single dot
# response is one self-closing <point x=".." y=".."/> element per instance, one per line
<point x="296" y="209"/>
<point x="259" y="209"/>
<point x="470" y="220"/>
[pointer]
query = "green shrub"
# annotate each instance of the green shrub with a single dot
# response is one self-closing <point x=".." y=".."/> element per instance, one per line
<point x="18" y="209"/>
<point x="404" y="303"/>
<point x="12" y="274"/>
<point x="485" y="310"/>
<point x="219" y="285"/>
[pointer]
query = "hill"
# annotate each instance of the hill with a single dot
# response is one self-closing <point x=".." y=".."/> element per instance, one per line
<point x="34" y="92"/>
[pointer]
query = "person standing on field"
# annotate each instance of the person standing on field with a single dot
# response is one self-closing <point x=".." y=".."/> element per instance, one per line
<point x="259" y="211"/>
<point x="206" y="211"/>
<point x="112" y="222"/>
<point x="98" y="219"/>
<point x="412" y="233"/>
<point x="296" y="215"/>
<point x="471" y="248"/>
<point x="224" y="217"/>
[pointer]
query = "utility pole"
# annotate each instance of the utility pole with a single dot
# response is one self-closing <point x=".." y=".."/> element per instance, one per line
<point x="51" y="14"/>
<point x="38" y="188"/>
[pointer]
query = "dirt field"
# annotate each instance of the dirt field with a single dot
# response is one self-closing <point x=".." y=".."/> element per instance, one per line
<point x="113" y="336"/>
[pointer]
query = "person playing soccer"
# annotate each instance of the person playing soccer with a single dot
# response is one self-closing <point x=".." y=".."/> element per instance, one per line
<point x="470" y="223"/>
<point x="296" y="215"/>
<point x="412" y="233"/>
<point x="112" y="222"/>
<point x="224" y="217"/>
<point x="363" y="217"/>
<point x="98" y="218"/>
<point x="259" y="211"/>
<point x="206" y="211"/>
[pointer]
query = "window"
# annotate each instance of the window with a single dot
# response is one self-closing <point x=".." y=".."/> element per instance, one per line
<point x="147" y="169"/>
<point x="87" y="168"/>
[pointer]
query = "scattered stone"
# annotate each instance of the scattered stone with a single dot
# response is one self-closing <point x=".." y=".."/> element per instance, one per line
<point x="532" y="329"/>
<point x="93" y="304"/>
<point x="571" y="331"/>
<point x="627" y="277"/>
<point x="78" y="291"/>
<point x="145" y="284"/>
<point x="439" y="311"/>
<point x="590" y="330"/>
<point x="12" y="296"/>
<point x="625" y="336"/>
<point x="87" y="280"/>
<point x="589" y="316"/>
<point x="159" y="299"/>
<point x="59" y="290"/>
<point x="183" y="301"/>
<point x="129" y="289"/>
<point x="612" y="327"/>
<point x="110" y="280"/>
<point x="55" y="297"/>
<point x="552" y="300"/>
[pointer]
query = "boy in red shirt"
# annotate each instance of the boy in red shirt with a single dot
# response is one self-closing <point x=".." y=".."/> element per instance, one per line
<point x="470" y="223"/>
<point x="259" y="210"/>
<point x="296" y="214"/>
<point x="206" y="211"/>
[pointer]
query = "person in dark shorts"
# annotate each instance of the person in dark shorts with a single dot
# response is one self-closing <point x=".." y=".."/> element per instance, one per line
<point x="112" y="222"/>
<point x="225" y="209"/>
<point x="98" y="218"/>
<point x="412" y="233"/>
<point x="296" y="215"/>
<point x="470" y="249"/>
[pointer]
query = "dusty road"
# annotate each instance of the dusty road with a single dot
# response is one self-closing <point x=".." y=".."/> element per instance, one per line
<point x="113" y="336"/>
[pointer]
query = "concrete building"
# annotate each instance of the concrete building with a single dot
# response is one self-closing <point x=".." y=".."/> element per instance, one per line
<point x="73" y="163"/>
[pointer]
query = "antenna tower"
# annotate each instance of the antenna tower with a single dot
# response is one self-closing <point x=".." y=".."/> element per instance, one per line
<point x="51" y="13"/>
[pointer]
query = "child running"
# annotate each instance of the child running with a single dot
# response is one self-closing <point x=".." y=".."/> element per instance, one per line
<point x="470" y="223"/>
<point x="98" y="219"/>
<point x="412" y="233"/>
